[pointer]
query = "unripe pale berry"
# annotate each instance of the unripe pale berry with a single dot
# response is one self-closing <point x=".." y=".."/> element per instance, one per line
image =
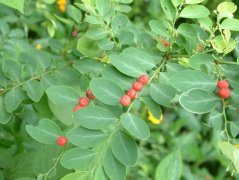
<point x="76" y="108"/>
<point x="224" y="93"/>
<point x="222" y="84"/>
<point x="137" y="86"/>
<point x="83" y="102"/>
<point x="144" y="79"/>
<point x="61" y="141"/>
<point x="199" y="48"/>
<point x="74" y="33"/>
<point x="90" y="94"/>
<point x="125" y="100"/>
<point x="132" y="93"/>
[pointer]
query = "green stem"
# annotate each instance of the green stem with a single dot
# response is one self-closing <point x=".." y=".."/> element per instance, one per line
<point x="227" y="62"/>
<point x="54" y="166"/>
<point x="225" y="120"/>
<point x="103" y="150"/>
<point x="2" y="91"/>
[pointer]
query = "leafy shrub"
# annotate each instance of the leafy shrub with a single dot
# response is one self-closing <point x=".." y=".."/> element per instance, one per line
<point x="79" y="82"/>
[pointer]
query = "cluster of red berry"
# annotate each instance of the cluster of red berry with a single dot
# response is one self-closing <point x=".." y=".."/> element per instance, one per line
<point x="165" y="43"/>
<point x="132" y="93"/>
<point x="223" y="91"/>
<point x="83" y="102"/>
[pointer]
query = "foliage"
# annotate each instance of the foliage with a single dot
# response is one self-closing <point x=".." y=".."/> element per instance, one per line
<point x="57" y="50"/>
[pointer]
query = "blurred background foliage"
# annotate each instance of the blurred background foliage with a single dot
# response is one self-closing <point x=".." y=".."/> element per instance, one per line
<point x="43" y="28"/>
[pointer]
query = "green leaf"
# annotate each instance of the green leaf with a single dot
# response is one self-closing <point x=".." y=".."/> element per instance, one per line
<point x="176" y="3"/>
<point x="106" y="44"/>
<point x="16" y="4"/>
<point x="125" y="82"/>
<point x="74" y="13"/>
<point x="188" y="79"/>
<point x="92" y="19"/>
<point x="13" y="99"/>
<point x="89" y="47"/>
<point x="126" y="37"/>
<point x="83" y="137"/>
<point x="77" y="176"/>
<point x="187" y="30"/>
<point x="88" y="65"/>
<point x="135" y="126"/>
<point x="193" y="1"/>
<point x="122" y="8"/>
<point x="145" y="58"/>
<point x="4" y="27"/>
<point x="194" y="11"/>
<point x="216" y="119"/>
<point x="205" y="23"/>
<point x="160" y="27"/>
<point x="234" y="129"/>
<point x="94" y="117"/>
<point x="170" y="168"/>
<point x="4" y="115"/>
<point x="63" y="95"/>
<point x="119" y="22"/>
<point x="226" y="7"/>
<point x="162" y="93"/>
<point x="12" y="70"/>
<point x="124" y="148"/>
<point x="103" y="6"/>
<point x="107" y="91"/>
<point x="113" y="168"/>
<point x="222" y="46"/>
<point x="100" y="174"/>
<point x="199" y="59"/>
<point x="231" y="152"/>
<point x="34" y="90"/>
<point x="45" y="132"/>
<point x="96" y="33"/>
<point x="235" y="95"/>
<point x="78" y="159"/>
<point x="230" y="24"/>
<point x="127" y="65"/>
<point x="198" y="101"/>
<point x="168" y="9"/>
<point x="63" y="113"/>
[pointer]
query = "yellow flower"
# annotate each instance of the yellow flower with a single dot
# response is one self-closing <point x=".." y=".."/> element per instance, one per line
<point x="61" y="5"/>
<point x="38" y="46"/>
<point x="153" y="119"/>
<point x="237" y="145"/>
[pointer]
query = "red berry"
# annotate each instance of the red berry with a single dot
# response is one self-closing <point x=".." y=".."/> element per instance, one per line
<point x="144" y="79"/>
<point x="83" y="102"/>
<point x="132" y="93"/>
<point x="90" y="94"/>
<point x="61" y="141"/>
<point x="224" y="93"/>
<point x="76" y="108"/>
<point x="75" y="33"/>
<point x="125" y="100"/>
<point x="166" y="43"/>
<point x="222" y="84"/>
<point x="137" y="86"/>
<point x="199" y="48"/>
